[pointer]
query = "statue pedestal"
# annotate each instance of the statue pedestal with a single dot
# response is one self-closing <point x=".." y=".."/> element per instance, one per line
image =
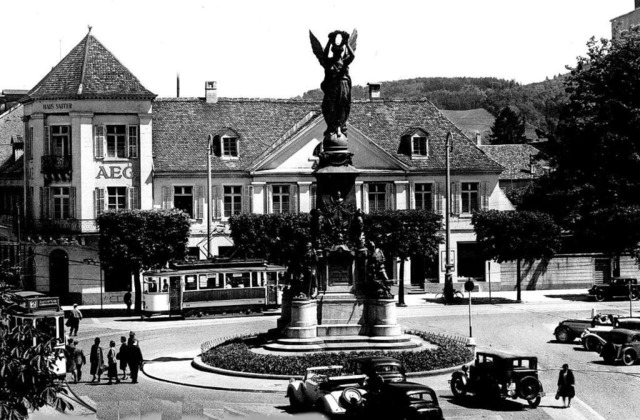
<point x="342" y="322"/>
<point x="303" y="323"/>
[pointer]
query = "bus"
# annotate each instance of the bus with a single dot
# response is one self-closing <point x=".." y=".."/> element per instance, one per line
<point x="212" y="286"/>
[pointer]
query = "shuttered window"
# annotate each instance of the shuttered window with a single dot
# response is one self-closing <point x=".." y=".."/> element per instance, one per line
<point x="232" y="200"/>
<point x="423" y="196"/>
<point x="470" y="196"/>
<point x="280" y="198"/>
<point x="377" y="197"/>
<point x="98" y="198"/>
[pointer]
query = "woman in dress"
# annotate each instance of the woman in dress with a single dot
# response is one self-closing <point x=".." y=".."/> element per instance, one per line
<point x="96" y="358"/>
<point x="112" y="370"/>
<point x="566" y="383"/>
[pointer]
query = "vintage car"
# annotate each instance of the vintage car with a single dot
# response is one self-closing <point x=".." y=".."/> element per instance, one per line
<point x="570" y="329"/>
<point x="402" y="401"/>
<point x="623" y="346"/>
<point x="497" y="375"/>
<point x="387" y="369"/>
<point x="326" y="389"/>
<point x="618" y="287"/>
<point x="594" y="338"/>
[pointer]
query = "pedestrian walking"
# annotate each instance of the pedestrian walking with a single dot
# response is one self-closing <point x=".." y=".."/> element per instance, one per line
<point x="96" y="358"/>
<point x="566" y="385"/>
<point x="132" y="339"/>
<point x="79" y="360"/>
<point x="135" y="360"/>
<point x="122" y="356"/>
<point x="112" y="370"/>
<point x="70" y="365"/>
<point x="128" y="301"/>
<point x="74" y="320"/>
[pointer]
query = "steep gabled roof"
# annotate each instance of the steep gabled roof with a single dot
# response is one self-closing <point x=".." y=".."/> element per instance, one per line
<point x="11" y="126"/>
<point x="181" y="127"/>
<point x="480" y="120"/>
<point x="89" y="71"/>
<point x="517" y="159"/>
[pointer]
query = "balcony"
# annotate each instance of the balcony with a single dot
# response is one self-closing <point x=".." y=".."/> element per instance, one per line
<point x="61" y="226"/>
<point x="56" y="168"/>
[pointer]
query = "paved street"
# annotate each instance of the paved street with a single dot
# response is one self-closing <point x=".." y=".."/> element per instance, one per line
<point x="603" y="392"/>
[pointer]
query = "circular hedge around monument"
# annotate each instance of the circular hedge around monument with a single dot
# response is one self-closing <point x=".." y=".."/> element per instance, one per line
<point x="235" y="354"/>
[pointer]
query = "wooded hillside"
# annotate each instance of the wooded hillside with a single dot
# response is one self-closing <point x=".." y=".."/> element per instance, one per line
<point x="539" y="102"/>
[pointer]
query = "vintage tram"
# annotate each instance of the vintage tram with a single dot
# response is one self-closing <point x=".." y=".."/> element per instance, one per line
<point x="210" y="287"/>
<point x="44" y="313"/>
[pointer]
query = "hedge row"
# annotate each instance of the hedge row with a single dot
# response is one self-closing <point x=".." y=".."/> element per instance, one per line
<point x="236" y="355"/>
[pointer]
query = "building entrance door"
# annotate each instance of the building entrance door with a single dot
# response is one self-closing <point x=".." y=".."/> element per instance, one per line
<point x="175" y="295"/>
<point x="59" y="276"/>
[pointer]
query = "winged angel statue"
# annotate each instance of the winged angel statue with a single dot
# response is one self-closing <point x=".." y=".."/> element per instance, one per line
<point x="336" y="86"/>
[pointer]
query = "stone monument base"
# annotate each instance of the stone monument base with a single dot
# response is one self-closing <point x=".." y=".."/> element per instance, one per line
<point x="342" y="322"/>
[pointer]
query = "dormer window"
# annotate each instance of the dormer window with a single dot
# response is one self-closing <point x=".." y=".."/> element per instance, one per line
<point x="419" y="146"/>
<point x="229" y="147"/>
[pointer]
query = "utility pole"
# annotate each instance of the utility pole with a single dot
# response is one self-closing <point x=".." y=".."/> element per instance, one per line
<point x="209" y="209"/>
<point x="448" y="276"/>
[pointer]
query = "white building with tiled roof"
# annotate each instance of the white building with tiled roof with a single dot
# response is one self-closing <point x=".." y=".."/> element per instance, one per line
<point x="96" y="139"/>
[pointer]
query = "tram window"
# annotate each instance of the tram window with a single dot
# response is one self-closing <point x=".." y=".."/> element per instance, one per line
<point x="272" y="277"/>
<point x="47" y="325"/>
<point x="221" y="281"/>
<point x="151" y="285"/>
<point x="202" y="284"/>
<point x="208" y="281"/>
<point x="190" y="283"/>
<point x="255" y="279"/>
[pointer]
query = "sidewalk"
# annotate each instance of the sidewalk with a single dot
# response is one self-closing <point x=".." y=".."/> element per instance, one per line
<point x="412" y="299"/>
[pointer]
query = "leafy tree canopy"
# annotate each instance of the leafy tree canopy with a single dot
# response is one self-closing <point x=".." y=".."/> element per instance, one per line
<point x="142" y="239"/>
<point x="516" y="236"/>
<point x="27" y="381"/>
<point x="594" y="187"/>
<point x="508" y="127"/>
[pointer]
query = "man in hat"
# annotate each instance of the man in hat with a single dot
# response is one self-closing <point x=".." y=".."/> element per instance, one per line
<point x="74" y="320"/>
<point x="134" y="357"/>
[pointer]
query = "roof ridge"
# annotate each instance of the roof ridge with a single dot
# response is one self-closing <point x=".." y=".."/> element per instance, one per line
<point x="84" y="61"/>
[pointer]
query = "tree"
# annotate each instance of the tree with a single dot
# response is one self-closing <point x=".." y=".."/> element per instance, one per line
<point x="27" y="381"/>
<point x="593" y="189"/>
<point x="516" y="236"/>
<point x="142" y="239"/>
<point x="508" y="128"/>
<point x="278" y="238"/>
<point x="405" y="234"/>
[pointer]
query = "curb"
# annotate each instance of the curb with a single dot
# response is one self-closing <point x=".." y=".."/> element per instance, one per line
<point x="197" y="363"/>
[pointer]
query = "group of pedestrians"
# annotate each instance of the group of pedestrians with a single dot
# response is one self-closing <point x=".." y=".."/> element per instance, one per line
<point x="127" y="355"/>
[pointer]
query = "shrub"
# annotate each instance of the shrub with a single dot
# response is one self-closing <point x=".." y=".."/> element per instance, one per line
<point x="236" y="355"/>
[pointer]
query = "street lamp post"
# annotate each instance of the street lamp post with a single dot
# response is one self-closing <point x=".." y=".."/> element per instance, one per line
<point x="448" y="276"/>
<point x="91" y="261"/>
<point x="209" y="210"/>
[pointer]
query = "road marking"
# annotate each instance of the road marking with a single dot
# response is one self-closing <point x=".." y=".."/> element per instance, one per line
<point x="591" y="410"/>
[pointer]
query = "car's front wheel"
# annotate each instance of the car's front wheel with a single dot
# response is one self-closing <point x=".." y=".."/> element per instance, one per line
<point x="534" y="402"/>
<point x="563" y="335"/>
<point x="629" y="357"/>
<point x="635" y="295"/>
<point x="600" y="296"/>
<point x="458" y="387"/>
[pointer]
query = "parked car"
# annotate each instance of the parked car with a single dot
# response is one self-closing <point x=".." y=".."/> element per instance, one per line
<point x="387" y="369"/>
<point x="402" y="401"/>
<point x="594" y="338"/>
<point x="618" y="287"/>
<point x="570" y="329"/>
<point x="326" y="389"/>
<point x="497" y="375"/>
<point x="623" y="346"/>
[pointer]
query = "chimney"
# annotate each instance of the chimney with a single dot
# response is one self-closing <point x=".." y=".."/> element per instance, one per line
<point x="211" y="92"/>
<point x="374" y="90"/>
<point x="478" y="138"/>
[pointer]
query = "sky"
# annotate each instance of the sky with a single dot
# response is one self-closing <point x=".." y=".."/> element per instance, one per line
<point x="261" y="48"/>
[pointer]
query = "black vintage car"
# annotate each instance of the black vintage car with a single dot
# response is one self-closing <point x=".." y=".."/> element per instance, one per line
<point x="619" y="287"/>
<point x="387" y="369"/>
<point x="402" y="401"/>
<point x="570" y="329"/>
<point x="498" y="375"/>
<point x="623" y="346"/>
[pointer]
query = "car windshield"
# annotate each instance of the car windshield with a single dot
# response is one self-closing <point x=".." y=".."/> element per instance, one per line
<point x="387" y="369"/>
<point x="421" y="395"/>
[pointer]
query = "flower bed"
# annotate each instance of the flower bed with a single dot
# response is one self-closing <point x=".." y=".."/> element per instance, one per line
<point x="235" y="354"/>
